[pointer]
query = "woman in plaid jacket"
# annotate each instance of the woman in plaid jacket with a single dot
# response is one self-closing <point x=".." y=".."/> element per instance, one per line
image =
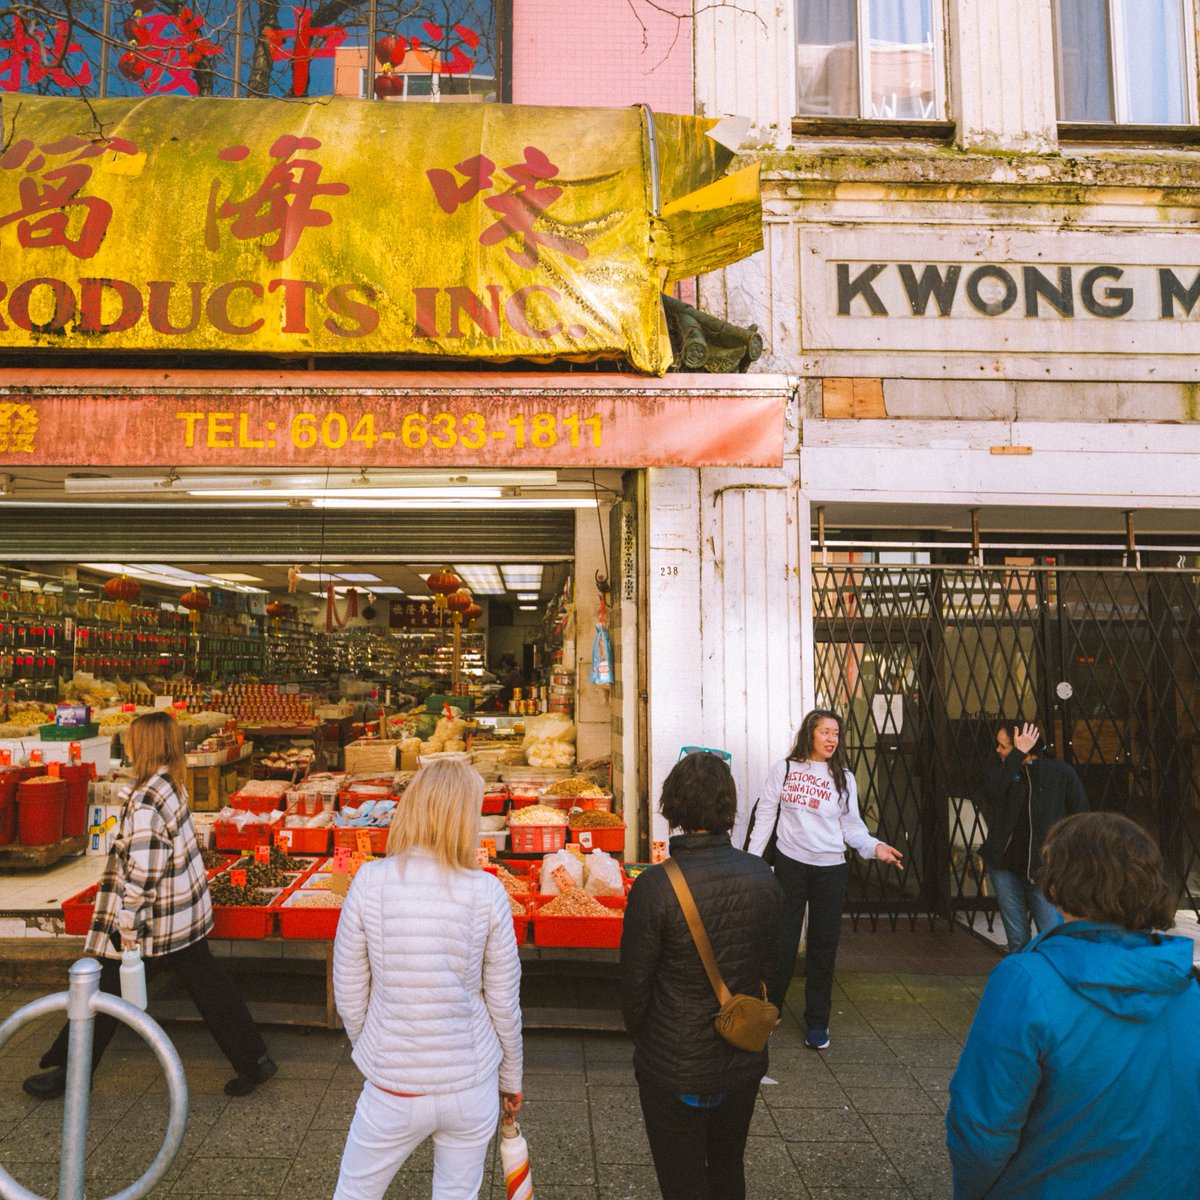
<point x="153" y="895"/>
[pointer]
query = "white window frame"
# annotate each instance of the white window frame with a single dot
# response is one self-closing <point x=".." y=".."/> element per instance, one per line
<point x="1119" y="11"/>
<point x="863" y="59"/>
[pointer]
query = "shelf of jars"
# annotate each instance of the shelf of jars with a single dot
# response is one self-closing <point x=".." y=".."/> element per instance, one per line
<point x="292" y="651"/>
<point x="360" y="649"/>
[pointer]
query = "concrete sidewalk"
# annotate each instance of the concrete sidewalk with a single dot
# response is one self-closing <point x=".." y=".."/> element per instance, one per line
<point x="860" y="1121"/>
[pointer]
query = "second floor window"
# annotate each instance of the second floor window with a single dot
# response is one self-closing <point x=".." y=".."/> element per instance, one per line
<point x="1124" y="62"/>
<point x="877" y="59"/>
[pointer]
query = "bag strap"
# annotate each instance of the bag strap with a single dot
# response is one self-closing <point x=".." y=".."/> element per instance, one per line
<point x="684" y="895"/>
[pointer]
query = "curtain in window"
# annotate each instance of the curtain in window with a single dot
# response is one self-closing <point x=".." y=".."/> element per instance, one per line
<point x="1154" y="77"/>
<point x="827" y="58"/>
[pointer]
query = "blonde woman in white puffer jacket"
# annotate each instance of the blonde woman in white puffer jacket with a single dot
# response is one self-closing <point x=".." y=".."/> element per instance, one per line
<point x="427" y="981"/>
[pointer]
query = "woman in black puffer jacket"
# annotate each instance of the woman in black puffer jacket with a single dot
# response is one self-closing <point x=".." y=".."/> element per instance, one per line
<point x="697" y="1090"/>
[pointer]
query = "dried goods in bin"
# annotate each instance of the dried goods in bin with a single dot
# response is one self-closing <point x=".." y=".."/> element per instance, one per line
<point x="575" y="902"/>
<point x="594" y="818"/>
<point x="538" y="814"/>
<point x="225" y="895"/>
<point x="574" y="785"/>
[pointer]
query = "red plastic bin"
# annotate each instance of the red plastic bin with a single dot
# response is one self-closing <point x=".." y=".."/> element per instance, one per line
<point x="254" y="804"/>
<point x="610" y="837"/>
<point x="305" y="922"/>
<point x="536" y="839"/>
<point x="242" y="921"/>
<point x="300" y="839"/>
<point x="595" y="932"/>
<point x="494" y="802"/>
<point x="347" y="835"/>
<point x="227" y="836"/>
<point x="77" y="910"/>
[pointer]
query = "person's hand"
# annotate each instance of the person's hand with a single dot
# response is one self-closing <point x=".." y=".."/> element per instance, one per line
<point x="129" y="942"/>
<point x="1026" y="738"/>
<point x="510" y="1102"/>
<point x="889" y="854"/>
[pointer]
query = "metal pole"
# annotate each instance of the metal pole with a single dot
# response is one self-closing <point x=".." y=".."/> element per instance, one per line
<point x="83" y="983"/>
<point x="82" y="1001"/>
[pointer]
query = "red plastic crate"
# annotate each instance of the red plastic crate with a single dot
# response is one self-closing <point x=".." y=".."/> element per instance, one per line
<point x="77" y="910"/>
<point x="610" y="837"/>
<point x="536" y="839"/>
<point x="494" y="802"/>
<point x="596" y="932"/>
<point x="305" y="922"/>
<point x="521" y="929"/>
<point x="347" y="835"/>
<point x="300" y="840"/>
<point x="254" y="804"/>
<point x="242" y="921"/>
<point x="227" y="836"/>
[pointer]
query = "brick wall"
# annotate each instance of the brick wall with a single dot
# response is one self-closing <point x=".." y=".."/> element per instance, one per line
<point x="603" y="53"/>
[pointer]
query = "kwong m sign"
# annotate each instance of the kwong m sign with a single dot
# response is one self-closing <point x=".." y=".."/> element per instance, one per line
<point x="1092" y="300"/>
<point x="458" y="231"/>
<point x="1006" y="289"/>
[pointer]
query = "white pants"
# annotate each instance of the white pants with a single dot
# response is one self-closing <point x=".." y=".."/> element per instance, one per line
<point x="386" y="1129"/>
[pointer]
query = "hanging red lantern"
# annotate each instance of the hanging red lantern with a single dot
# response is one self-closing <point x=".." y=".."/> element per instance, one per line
<point x="196" y="602"/>
<point x="442" y="583"/>
<point x="472" y="615"/>
<point x="277" y="610"/>
<point x="124" y="591"/>
<point x="458" y="603"/>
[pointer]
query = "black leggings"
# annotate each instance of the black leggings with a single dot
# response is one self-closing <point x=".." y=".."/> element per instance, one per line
<point x="211" y="989"/>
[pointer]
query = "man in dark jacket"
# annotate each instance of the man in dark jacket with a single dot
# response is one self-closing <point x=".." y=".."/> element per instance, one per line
<point x="1025" y="794"/>
<point x="697" y="1090"/>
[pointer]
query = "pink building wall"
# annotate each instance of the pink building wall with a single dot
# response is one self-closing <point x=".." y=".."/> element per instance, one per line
<point x="603" y="53"/>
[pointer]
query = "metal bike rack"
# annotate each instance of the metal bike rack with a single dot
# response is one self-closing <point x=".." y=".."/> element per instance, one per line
<point x="82" y="1000"/>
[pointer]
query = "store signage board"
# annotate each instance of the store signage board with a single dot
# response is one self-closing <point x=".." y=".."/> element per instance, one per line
<point x="457" y="231"/>
<point x="519" y="421"/>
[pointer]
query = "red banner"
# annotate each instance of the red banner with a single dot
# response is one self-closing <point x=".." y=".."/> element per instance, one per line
<point x="337" y="420"/>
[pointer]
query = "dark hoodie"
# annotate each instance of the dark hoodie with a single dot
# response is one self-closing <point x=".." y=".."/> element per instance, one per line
<point x="1080" y="1079"/>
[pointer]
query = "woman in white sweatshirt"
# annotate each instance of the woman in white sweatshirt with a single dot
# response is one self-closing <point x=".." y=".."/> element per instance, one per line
<point x="810" y="800"/>
<point x="427" y="981"/>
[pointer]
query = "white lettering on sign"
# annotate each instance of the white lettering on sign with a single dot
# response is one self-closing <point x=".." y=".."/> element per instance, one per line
<point x="807" y="790"/>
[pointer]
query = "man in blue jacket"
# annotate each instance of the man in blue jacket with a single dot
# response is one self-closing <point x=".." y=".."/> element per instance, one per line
<point x="1025" y="793"/>
<point x="1080" y="1079"/>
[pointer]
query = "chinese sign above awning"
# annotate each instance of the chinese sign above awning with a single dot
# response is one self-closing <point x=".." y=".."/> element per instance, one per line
<point x="456" y="231"/>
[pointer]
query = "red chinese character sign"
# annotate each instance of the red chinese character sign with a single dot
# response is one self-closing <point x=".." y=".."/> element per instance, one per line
<point x="31" y="56"/>
<point x="465" y="232"/>
<point x="299" y="44"/>
<point x="165" y="50"/>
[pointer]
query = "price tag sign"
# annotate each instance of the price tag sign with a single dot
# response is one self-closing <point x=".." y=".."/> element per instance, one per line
<point x="262" y="854"/>
<point x="481" y="857"/>
<point x="54" y="769"/>
<point x="362" y="842"/>
<point x="356" y="861"/>
<point x="563" y="878"/>
<point x="585" y="838"/>
<point x="489" y="846"/>
<point x="341" y="860"/>
<point x="35" y="758"/>
<point x="283" y="839"/>
<point x="133" y="707"/>
<point x="238" y="877"/>
<point x="5" y="758"/>
<point x="658" y="852"/>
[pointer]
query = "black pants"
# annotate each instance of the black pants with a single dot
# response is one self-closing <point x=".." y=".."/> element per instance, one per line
<point x="823" y="891"/>
<point x="211" y="989"/>
<point x="699" y="1153"/>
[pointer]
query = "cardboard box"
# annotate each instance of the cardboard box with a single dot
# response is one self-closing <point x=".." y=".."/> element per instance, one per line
<point x="408" y="760"/>
<point x="371" y="754"/>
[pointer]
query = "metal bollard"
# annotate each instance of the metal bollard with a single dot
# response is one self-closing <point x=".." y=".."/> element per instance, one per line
<point x="82" y="1000"/>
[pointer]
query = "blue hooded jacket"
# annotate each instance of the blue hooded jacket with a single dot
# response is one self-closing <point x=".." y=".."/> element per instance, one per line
<point x="1080" y="1079"/>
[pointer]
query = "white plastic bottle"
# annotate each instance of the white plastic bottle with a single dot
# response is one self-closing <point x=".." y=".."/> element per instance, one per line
<point x="133" y="978"/>
<point x="514" y="1157"/>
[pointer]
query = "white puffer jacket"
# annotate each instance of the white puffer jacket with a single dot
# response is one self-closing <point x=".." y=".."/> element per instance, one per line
<point x="426" y="976"/>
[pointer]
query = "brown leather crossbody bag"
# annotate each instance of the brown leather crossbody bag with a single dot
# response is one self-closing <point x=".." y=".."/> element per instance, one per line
<point x="744" y="1021"/>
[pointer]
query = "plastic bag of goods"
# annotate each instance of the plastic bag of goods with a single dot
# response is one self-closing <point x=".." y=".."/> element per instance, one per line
<point x="560" y="858"/>
<point x="549" y="753"/>
<point x="549" y="727"/>
<point x="602" y="875"/>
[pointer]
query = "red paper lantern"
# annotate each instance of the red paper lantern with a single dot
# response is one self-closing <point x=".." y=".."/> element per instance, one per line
<point x="442" y="583"/>
<point x="473" y="614"/>
<point x="122" y="588"/>
<point x="459" y="601"/>
<point x="277" y="609"/>
<point x="195" y="602"/>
